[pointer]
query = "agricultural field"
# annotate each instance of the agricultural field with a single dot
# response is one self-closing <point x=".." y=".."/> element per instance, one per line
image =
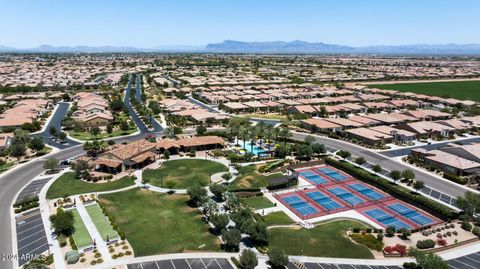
<point x="463" y="90"/>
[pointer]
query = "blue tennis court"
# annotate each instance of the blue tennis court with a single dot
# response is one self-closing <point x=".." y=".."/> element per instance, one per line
<point x="386" y="219"/>
<point x="411" y="214"/>
<point x="370" y="193"/>
<point x="300" y="205"/>
<point x="312" y="177"/>
<point x="346" y="196"/>
<point x="332" y="173"/>
<point x="323" y="200"/>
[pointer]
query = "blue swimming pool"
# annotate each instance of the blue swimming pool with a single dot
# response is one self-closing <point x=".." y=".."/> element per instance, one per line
<point x="386" y="219"/>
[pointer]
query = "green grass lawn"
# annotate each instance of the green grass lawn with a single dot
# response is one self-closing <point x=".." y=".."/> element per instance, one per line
<point x="103" y="135"/>
<point x="157" y="223"/>
<point x="326" y="240"/>
<point x="68" y="185"/>
<point x="277" y="218"/>
<point x="469" y="90"/>
<point x="101" y="222"/>
<point x="266" y="116"/>
<point x="81" y="236"/>
<point x="258" y="202"/>
<point x="184" y="173"/>
<point x="249" y="178"/>
<point x="6" y="167"/>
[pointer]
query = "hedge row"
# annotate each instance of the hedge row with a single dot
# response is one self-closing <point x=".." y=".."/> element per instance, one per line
<point x="396" y="191"/>
<point x="112" y="220"/>
<point x="455" y="178"/>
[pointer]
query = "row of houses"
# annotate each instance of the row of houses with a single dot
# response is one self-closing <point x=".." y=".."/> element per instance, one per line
<point x="92" y="110"/>
<point x="190" y="111"/>
<point x="461" y="160"/>
<point x="379" y="129"/>
<point x="23" y="111"/>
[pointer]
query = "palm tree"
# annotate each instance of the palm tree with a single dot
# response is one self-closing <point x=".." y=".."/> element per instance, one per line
<point x="285" y="134"/>
<point x="244" y="133"/>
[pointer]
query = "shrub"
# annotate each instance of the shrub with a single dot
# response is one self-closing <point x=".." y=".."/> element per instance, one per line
<point x="410" y="265"/>
<point x="82" y="260"/>
<point x="454" y="178"/>
<point x="97" y="255"/>
<point x="72" y="257"/>
<point x="390" y="231"/>
<point x="425" y="244"/>
<point x="476" y="231"/>
<point x="128" y="252"/>
<point x="466" y="226"/>
<point x="442" y="242"/>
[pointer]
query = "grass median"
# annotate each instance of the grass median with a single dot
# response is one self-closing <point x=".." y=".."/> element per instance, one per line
<point x="67" y="184"/>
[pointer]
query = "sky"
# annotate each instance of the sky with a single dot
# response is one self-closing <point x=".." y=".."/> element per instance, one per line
<point x="148" y="23"/>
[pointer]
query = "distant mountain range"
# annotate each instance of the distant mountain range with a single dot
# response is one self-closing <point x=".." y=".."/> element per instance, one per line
<point x="276" y="47"/>
<point x="230" y="46"/>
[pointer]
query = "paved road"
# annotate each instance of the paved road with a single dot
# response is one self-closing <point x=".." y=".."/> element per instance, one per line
<point x="13" y="181"/>
<point x="138" y="88"/>
<point x="387" y="163"/>
<point x="403" y="152"/>
<point x="56" y="121"/>
<point x="141" y="126"/>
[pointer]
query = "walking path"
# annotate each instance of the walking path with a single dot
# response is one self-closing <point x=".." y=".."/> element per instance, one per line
<point x="92" y="230"/>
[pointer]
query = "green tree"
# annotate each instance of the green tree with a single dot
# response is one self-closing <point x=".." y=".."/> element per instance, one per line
<point x="309" y="140"/>
<point x="218" y="190"/>
<point x="50" y="164"/>
<point x="469" y="204"/>
<point x="95" y="131"/>
<point x="360" y="160"/>
<point x="124" y="126"/>
<point x="232" y="239"/>
<point x="258" y="233"/>
<point x="197" y="194"/>
<point x="248" y="259"/>
<point x="63" y="222"/>
<point x="36" y="143"/>
<point x="408" y="174"/>
<point x="79" y="166"/>
<point x="62" y="136"/>
<point x="318" y="148"/>
<point x="109" y="129"/>
<point x="343" y="154"/>
<point x="277" y="258"/>
<point x="377" y="168"/>
<point x="220" y="221"/>
<point x="17" y="150"/>
<point x="395" y="175"/>
<point x="405" y="233"/>
<point x="201" y="129"/>
<point x="428" y="260"/>
<point x="53" y="131"/>
<point x="418" y="185"/>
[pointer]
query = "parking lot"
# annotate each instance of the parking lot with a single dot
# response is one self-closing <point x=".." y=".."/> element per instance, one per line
<point x="32" y="189"/>
<point x="203" y="263"/>
<point x="471" y="261"/>
<point x="31" y="236"/>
